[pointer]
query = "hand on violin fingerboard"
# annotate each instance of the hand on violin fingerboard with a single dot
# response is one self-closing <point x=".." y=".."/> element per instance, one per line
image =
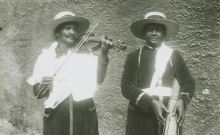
<point x="116" y="45"/>
<point x="94" y="43"/>
<point x="120" y="45"/>
<point x="106" y="43"/>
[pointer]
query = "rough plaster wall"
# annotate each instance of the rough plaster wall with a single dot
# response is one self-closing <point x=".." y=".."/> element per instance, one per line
<point x="21" y="42"/>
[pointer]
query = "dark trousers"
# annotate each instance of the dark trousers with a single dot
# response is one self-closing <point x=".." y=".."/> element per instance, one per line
<point x="57" y="121"/>
<point x="140" y="122"/>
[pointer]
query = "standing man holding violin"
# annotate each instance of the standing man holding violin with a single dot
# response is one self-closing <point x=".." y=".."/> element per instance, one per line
<point x="149" y="72"/>
<point x="55" y="78"/>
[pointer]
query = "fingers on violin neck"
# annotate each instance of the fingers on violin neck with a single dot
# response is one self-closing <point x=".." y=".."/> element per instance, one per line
<point x="108" y="38"/>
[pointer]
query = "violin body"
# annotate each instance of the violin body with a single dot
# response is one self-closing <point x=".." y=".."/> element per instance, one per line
<point x="93" y="43"/>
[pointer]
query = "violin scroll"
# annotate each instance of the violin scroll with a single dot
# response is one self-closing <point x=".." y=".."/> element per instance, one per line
<point x="120" y="45"/>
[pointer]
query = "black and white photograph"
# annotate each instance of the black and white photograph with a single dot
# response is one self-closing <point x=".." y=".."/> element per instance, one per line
<point x="110" y="67"/>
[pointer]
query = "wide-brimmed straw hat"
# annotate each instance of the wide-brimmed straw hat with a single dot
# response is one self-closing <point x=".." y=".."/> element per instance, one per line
<point x="62" y="17"/>
<point x="154" y="17"/>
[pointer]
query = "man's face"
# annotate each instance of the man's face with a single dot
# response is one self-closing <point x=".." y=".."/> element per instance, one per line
<point x="67" y="33"/>
<point x="155" y="34"/>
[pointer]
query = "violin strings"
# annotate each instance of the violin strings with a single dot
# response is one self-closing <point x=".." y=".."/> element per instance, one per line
<point x="87" y="32"/>
<point x="86" y="36"/>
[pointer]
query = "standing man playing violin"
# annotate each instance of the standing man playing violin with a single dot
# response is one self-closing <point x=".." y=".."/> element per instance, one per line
<point x="152" y="65"/>
<point x="64" y="31"/>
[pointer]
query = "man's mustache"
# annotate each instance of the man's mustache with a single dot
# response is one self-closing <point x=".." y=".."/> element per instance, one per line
<point x="71" y="35"/>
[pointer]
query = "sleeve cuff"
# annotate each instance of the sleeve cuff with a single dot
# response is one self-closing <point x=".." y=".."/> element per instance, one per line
<point x="33" y="80"/>
<point x="145" y="101"/>
<point x="185" y="98"/>
<point x="139" y="97"/>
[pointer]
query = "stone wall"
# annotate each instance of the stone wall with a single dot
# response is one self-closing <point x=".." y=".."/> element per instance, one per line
<point x="22" y="41"/>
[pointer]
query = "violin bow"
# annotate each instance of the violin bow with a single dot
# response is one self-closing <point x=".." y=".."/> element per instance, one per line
<point x="42" y="91"/>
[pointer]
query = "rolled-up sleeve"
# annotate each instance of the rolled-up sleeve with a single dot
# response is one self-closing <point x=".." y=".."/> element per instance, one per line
<point x="101" y="70"/>
<point x="128" y="84"/>
<point x="185" y="79"/>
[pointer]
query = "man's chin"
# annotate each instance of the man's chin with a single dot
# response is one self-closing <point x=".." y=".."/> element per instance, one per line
<point x="70" y="44"/>
<point x="155" y="43"/>
<point x="70" y="41"/>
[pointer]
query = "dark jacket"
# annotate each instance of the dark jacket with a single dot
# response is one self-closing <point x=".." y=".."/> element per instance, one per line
<point x="136" y="77"/>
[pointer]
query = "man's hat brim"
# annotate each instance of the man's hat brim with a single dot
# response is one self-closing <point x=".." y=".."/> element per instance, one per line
<point x="83" y="25"/>
<point x="171" y="27"/>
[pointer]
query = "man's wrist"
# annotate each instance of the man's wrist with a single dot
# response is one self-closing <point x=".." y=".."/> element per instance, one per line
<point x="104" y="51"/>
<point x="183" y="102"/>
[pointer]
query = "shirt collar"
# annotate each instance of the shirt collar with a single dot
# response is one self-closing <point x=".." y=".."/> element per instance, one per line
<point x="53" y="47"/>
<point x="151" y="48"/>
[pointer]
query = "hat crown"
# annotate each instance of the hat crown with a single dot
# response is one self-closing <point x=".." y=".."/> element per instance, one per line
<point x="155" y="15"/>
<point x="64" y="14"/>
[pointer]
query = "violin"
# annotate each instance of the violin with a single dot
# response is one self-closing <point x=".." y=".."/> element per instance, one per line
<point x="93" y="43"/>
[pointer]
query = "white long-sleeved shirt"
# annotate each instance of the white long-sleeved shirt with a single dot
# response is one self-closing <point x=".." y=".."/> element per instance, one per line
<point x="77" y="76"/>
